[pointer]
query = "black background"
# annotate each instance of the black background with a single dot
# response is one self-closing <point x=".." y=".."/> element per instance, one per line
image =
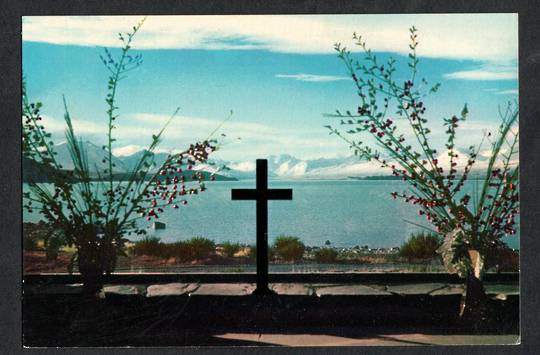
<point x="10" y="157"/>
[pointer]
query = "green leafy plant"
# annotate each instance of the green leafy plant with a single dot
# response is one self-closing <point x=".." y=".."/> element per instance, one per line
<point x="421" y="246"/>
<point x="471" y="224"/>
<point x="230" y="248"/>
<point x="30" y="242"/>
<point x="502" y="259"/>
<point x="33" y="236"/>
<point x="252" y="255"/>
<point x="149" y="245"/>
<point x="184" y="251"/>
<point x="180" y="250"/>
<point x="92" y="210"/>
<point x="289" y="248"/>
<point x="200" y="247"/>
<point x="326" y="255"/>
<point x="53" y="242"/>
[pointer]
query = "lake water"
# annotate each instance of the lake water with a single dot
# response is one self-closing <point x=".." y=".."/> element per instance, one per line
<point x="346" y="212"/>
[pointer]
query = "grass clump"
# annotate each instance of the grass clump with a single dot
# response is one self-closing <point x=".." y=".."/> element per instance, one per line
<point x="252" y="254"/>
<point x="502" y="259"/>
<point x="30" y="243"/>
<point x="421" y="246"/>
<point x="326" y="255"/>
<point x="200" y="247"/>
<point x="230" y="248"/>
<point x="150" y="246"/>
<point x="184" y="251"/>
<point x="33" y="236"/>
<point x="53" y="243"/>
<point x="289" y="248"/>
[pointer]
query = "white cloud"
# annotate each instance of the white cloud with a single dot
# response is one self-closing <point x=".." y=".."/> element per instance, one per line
<point x="478" y="127"/>
<point x="472" y="36"/>
<point x="200" y="128"/>
<point x="485" y="153"/>
<point x="55" y="125"/>
<point x="494" y="73"/>
<point x="508" y="92"/>
<point x="246" y="166"/>
<point x="187" y="123"/>
<point x="185" y="130"/>
<point x="256" y="139"/>
<point x="495" y="91"/>
<point x="461" y="160"/>
<point x="312" y="77"/>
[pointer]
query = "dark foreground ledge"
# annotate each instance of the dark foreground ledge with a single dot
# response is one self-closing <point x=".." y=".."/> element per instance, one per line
<point x="160" y="313"/>
<point x="250" y="277"/>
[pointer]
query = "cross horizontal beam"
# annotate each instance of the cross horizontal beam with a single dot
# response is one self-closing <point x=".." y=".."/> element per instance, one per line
<point x="269" y="194"/>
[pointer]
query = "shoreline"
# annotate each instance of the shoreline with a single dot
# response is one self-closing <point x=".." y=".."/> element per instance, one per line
<point x="35" y="263"/>
<point x="205" y="255"/>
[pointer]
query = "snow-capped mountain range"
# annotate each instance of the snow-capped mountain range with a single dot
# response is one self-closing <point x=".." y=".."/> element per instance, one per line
<point x="289" y="167"/>
<point x="279" y="166"/>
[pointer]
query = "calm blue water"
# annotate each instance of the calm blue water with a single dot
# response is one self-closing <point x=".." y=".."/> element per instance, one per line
<point x="346" y="212"/>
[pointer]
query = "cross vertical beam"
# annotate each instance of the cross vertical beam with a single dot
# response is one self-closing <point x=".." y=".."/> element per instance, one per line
<point x="262" y="229"/>
<point x="261" y="195"/>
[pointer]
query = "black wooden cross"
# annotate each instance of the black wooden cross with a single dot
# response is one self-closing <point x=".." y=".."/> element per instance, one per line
<point x="262" y="194"/>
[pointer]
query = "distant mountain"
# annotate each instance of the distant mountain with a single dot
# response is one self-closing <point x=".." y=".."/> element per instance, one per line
<point x="37" y="172"/>
<point x="289" y="167"/>
<point x="130" y="161"/>
<point x="282" y="166"/>
<point x="375" y="177"/>
<point x="279" y="166"/>
<point x="33" y="171"/>
<point x="95" y="155"/>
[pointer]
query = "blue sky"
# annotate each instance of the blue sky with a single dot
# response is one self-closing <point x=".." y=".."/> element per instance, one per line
<point x="278" y="74"/>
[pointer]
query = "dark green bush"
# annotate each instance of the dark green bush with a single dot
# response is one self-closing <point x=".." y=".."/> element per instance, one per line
<point x="200" y="247"/>
<point x="149" y="245"/>
<point x="32" y="234"/>
<point x="30" y="242"/>
<point x="326" y="255"/>
<point x="179" y="250"/>
<point x="421" y="246"/>
<point x="501" y="258"/>
<point x="230" y="248"/>
<point x="53" y="243"/>
<point x="289" y="248"/>
<point x="188" y="250"/>
<point x="253" y="253"/>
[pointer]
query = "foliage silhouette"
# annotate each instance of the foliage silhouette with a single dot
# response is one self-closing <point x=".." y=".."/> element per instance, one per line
<point x="95" y="216"/>
<point x="472" y="224"/>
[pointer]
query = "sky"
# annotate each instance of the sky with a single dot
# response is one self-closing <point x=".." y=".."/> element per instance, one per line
<point x="278" y="74"/>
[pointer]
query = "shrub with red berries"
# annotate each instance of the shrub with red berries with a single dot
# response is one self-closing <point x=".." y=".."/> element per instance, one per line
<point x="171" y="186"/>
<point x="94" y="213"/>
<point x="468" y="221"/>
